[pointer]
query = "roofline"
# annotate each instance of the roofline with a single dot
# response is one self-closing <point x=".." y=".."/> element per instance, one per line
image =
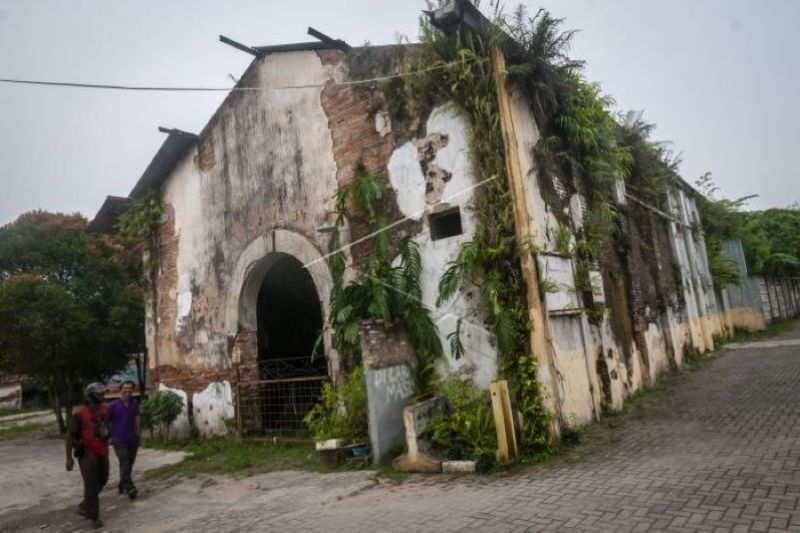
<point x="292" y="47"/>
<point x="687" y="187"/>
<point x="172" y="150"/>
<point x="107" y="216"/>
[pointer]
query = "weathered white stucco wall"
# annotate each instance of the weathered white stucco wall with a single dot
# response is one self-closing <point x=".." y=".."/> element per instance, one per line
<point x="273" y="167"/>
<point x="212" y="408"/>
<point x="409" y="183"/>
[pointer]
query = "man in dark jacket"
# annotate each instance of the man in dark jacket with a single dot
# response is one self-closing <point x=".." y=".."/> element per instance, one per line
<point x="87" y="438"/>
<point x="123" y="415"/>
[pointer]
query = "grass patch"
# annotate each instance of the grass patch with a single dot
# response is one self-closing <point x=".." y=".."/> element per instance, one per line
<point x="772" y="330"/>
<point x="28" y="429"/>
<point x="229" y="456"/>
<point x="387" y="473"/>
<point x="10" y="411"/>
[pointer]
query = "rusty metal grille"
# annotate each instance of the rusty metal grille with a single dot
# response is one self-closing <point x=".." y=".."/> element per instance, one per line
<point x="292" y="367"/>
<point x="276" y="405"/>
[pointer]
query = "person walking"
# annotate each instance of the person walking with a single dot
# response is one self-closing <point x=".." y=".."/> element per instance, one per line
<point x="87" y="438"/>
<point x="123" y="415"/>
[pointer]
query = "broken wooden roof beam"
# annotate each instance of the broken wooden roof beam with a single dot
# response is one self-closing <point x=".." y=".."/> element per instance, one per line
<point x="337" y="44"/>
<point x="238" y="45"/>
<point x="324" y="42"/>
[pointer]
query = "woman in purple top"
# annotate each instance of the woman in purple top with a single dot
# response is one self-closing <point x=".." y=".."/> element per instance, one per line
<point x="123" y="415"/>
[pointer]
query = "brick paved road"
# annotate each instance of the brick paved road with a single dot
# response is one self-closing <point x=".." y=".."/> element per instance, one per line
<point x="718" y="452"/>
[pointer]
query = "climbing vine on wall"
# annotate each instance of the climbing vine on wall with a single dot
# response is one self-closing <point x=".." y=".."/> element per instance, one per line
<point x="381" y="289"/>
<point x="582" y="144"/>
<point x="143" y="222"/>
<point x="460" y="71"/>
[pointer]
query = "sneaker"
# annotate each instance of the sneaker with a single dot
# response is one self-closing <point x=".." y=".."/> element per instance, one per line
<point x="132" y="493"/>
<point x="97" y="523"/>
<point x="83" y="512"/>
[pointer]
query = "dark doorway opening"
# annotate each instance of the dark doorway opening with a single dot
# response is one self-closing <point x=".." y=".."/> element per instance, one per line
<point x="289" y="323"/>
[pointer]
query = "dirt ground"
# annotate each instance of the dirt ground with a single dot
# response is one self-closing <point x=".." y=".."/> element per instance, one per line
<point x="40" y="495"/>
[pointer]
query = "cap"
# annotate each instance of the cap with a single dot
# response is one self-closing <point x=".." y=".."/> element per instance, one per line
<point x="96" y="388"/>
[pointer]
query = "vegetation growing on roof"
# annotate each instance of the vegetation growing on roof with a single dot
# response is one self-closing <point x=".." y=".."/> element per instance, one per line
<point x="583" y="145"/>
<point x="584" y="148"/>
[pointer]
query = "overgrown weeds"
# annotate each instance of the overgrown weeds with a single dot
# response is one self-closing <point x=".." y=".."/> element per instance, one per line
<point x="226" y="455"/>
<point x="230" y="456"/>
<point x="772" y="330"/>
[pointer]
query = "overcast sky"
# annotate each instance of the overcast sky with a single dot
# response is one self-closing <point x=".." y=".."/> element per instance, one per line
<point x="720" y="78"/>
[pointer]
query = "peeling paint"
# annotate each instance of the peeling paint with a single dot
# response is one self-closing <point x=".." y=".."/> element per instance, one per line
<point x="212" y="407"/>
<point x="408" y="181"/>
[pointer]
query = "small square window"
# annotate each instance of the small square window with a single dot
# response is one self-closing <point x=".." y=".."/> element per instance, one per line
<point x="446" y="224"/>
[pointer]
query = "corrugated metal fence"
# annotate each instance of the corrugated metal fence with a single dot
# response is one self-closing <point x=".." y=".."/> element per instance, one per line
<point x="780" y="298"/>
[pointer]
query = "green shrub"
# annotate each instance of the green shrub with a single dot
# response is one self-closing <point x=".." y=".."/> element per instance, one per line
<point x="465" y="430"/>
<point x="342" y="413"/>
<point x="424" y="376"/>
<point x="562" y="241"/>
<point x="160" y="410"/>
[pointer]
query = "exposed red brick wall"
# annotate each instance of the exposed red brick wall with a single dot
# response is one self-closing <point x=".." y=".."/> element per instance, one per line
<point x="351" y="114"/>
<point x="382" y="348"/>
<point x="166" y="283"/>
<point x="357" y="145"/>
<point x="331" y="57"/>
<point x="190" y="380"/>
<point x="246" y="345"/>
<point x="205" y="159"/>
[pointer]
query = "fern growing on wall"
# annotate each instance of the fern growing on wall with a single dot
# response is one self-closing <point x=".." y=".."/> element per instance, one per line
<point x="380" y="290"/>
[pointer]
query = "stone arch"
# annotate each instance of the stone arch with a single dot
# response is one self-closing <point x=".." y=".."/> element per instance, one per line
<point x="251" y="268"/>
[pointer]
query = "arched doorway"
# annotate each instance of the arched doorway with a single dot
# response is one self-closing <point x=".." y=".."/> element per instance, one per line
<point x="265" y="403"/>
<point x="289" y="323"/>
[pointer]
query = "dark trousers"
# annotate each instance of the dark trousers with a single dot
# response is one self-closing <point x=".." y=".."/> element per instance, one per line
<point x="94" y="470"/>
<point x="126" y="454"/>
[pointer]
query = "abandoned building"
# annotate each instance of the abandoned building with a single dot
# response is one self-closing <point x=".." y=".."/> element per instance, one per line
<point x="243" y="283"/>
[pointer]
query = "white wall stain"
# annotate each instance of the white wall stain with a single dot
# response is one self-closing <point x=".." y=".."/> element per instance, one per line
<point x="407" y="179"/>
<point x="212" y="407"/>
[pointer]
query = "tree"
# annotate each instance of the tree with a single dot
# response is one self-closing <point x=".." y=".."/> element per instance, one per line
<point x="722" y="219"/>
<point x="70" y="304"/>
<point x="770" y="238"/>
